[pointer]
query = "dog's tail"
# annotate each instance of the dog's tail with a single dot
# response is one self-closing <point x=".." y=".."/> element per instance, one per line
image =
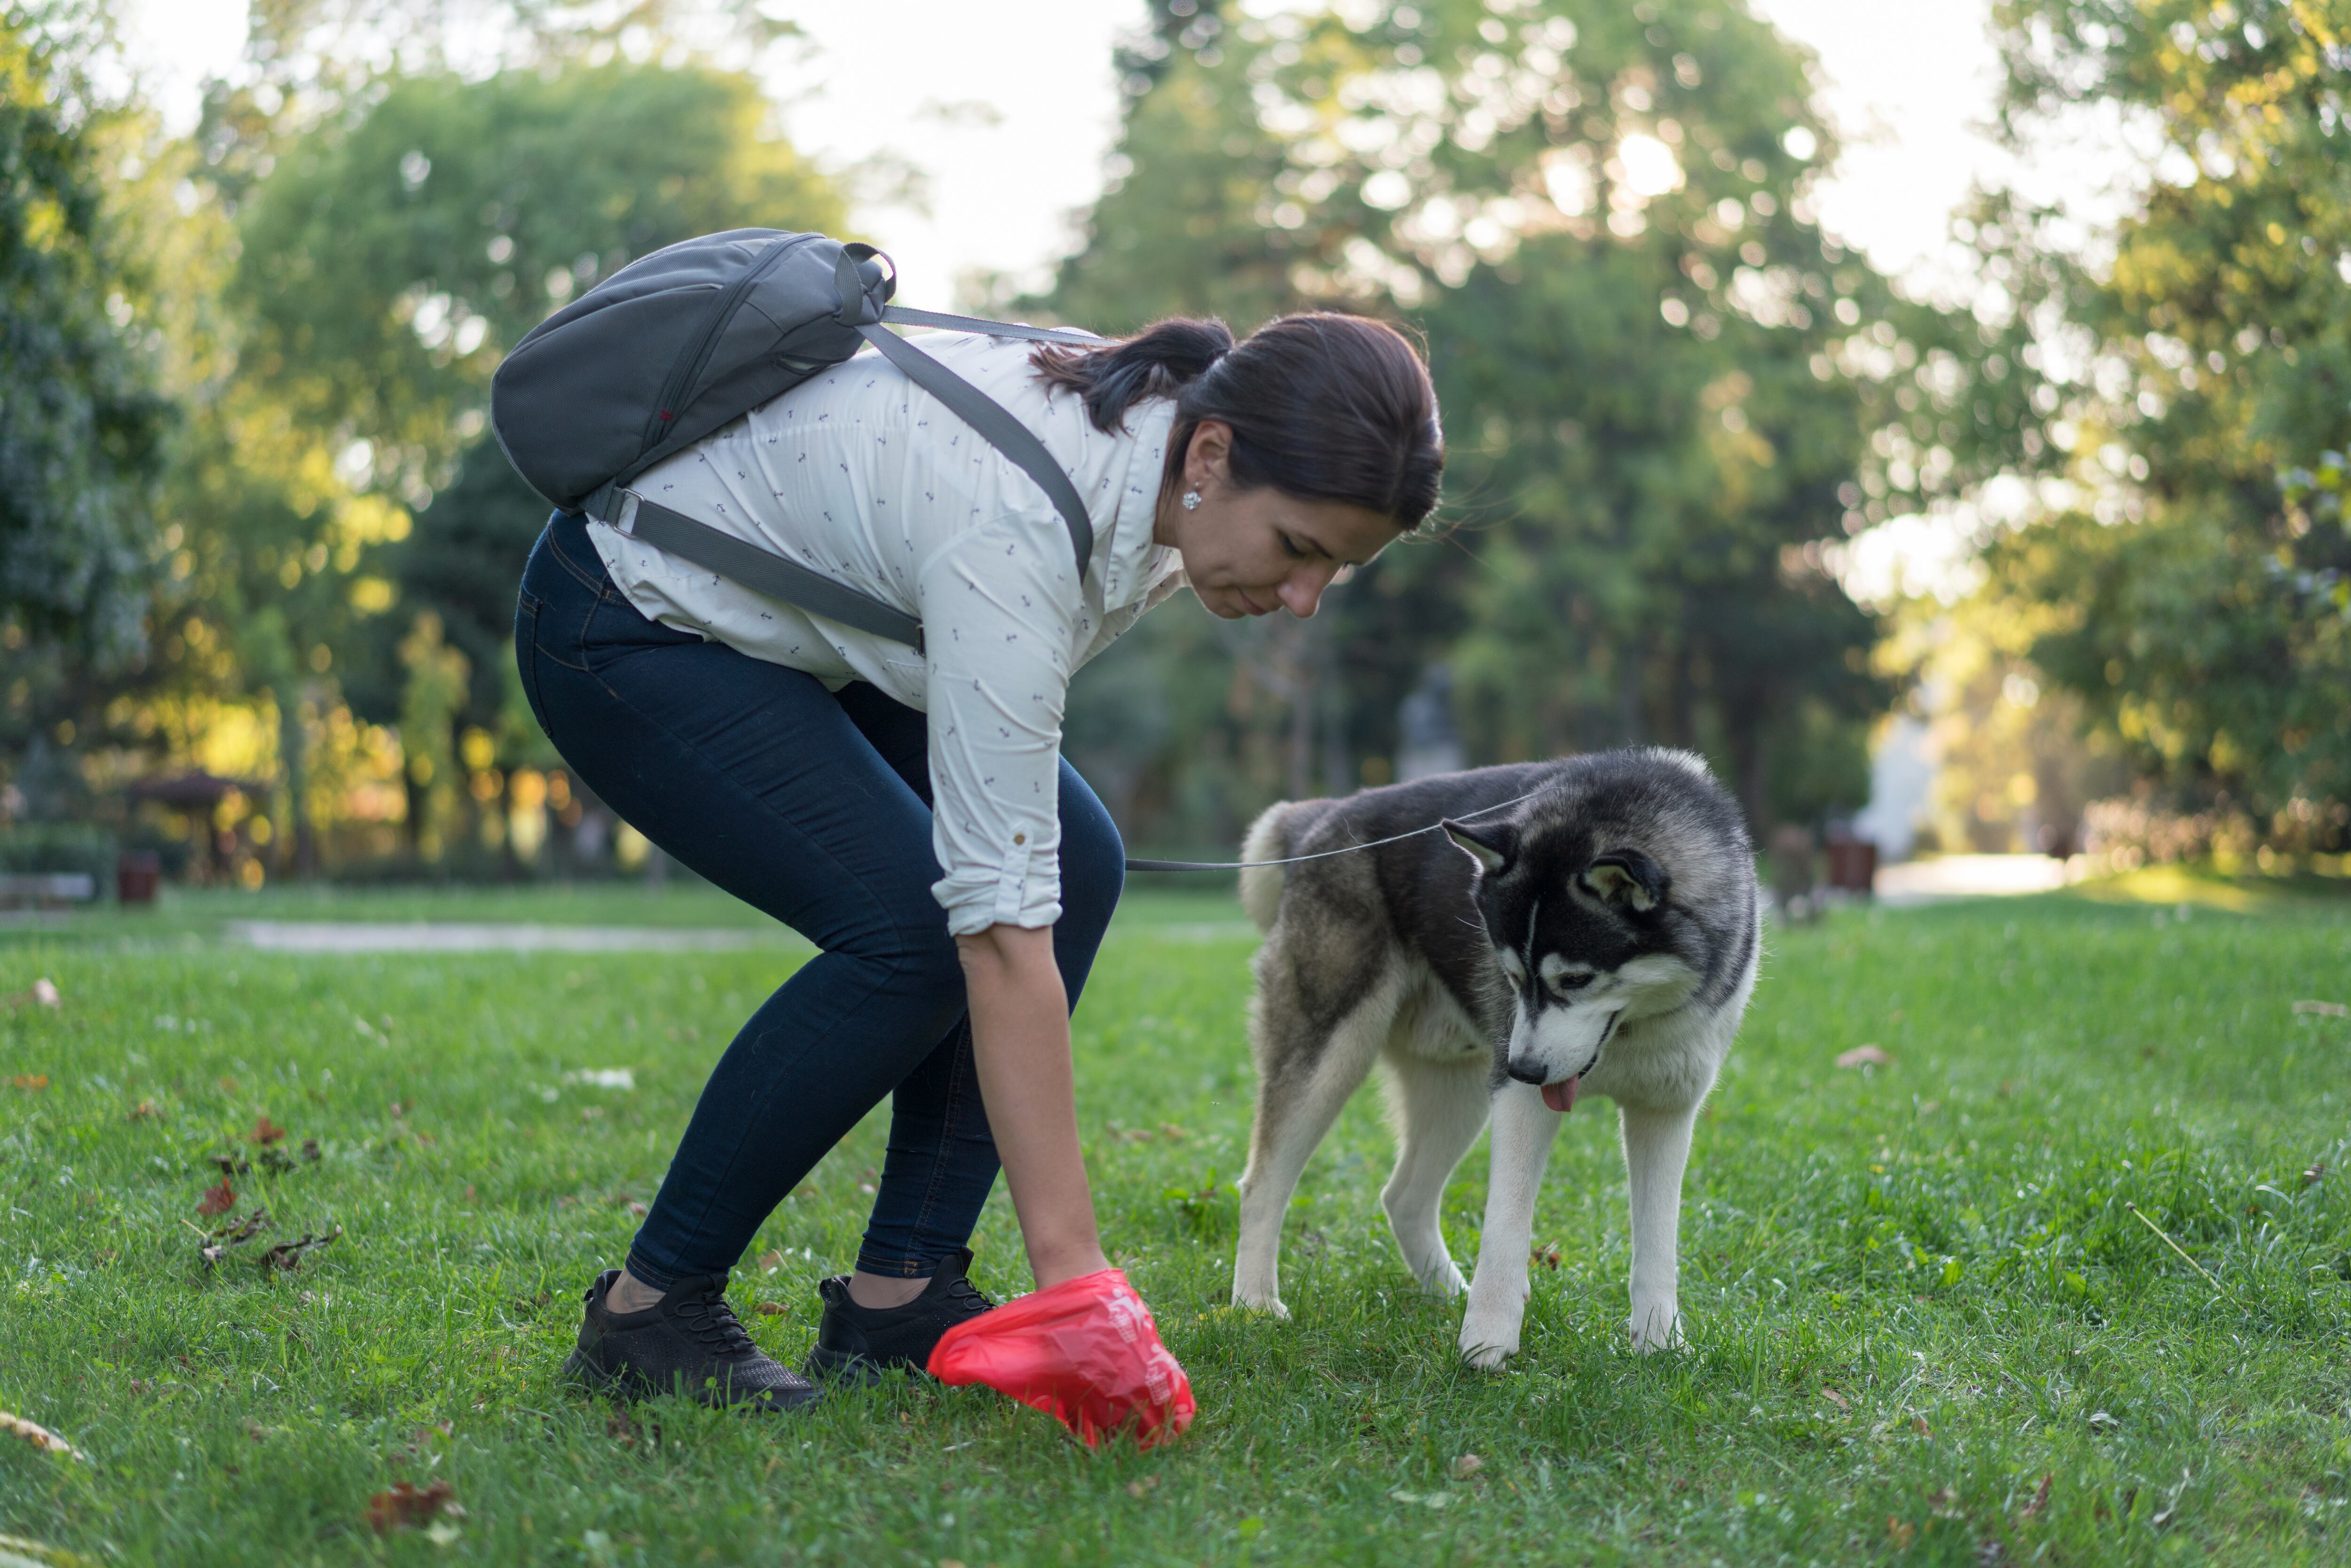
<point x="1268" y="840"/>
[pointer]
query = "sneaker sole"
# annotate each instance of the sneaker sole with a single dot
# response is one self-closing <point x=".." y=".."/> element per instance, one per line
<point x="827" y="1365"/>
<point x="585" y="1374"/>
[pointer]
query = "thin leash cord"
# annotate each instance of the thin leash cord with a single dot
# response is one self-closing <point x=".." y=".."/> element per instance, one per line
<point x="1326" y="854"/>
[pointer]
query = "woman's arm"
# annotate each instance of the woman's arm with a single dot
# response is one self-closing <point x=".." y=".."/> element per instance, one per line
<point x="1021" y="1037"/>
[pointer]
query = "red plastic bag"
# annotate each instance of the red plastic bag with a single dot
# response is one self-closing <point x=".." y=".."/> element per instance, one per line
<point x="1085" y="1351"/>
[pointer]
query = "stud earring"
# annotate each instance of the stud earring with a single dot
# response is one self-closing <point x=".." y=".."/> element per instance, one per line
<point x="1191" y="500"/>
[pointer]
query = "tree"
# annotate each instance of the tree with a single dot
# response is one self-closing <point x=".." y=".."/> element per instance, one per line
<point x="2194" y="373"/>
<point x="387" y="237"/>
<point x="1665" y="390"/>
<point x="81" y="422"/>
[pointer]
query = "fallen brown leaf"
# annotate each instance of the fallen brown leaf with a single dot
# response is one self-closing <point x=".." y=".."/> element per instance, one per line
<point x="405" y="1505"/>
<point x="217" y="1199"/>
<point x="772" y="1309"/>
<point x="2323" y="1010"/>
<point x="771" y="1261"/>
<point x="1864" y="1056"/>
<point x="1141" y="1486"/>
<point x="236" y="1235"/>
<point x="146" y="1110"/>
<point x="287" y="1255"/>
<point x="40" y="1437"/>
<point x="1545" y="1257"/>
<point x="30" y="1082"/>
<point x="1467" y="1465"/>
<point x="1918" y="1425"/>
<point x="2040" y="1499"/>
<point x="266" y="1132"/>
<point x="1833" y="1398"/>
<point x="231" y="1165"/>
<point x="1900" y="1531"/>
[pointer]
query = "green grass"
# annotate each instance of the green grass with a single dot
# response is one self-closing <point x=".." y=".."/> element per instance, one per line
<point x="1913" y="1293"/>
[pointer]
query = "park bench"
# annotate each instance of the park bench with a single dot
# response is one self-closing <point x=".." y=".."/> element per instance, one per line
<point x="46" y="890"/>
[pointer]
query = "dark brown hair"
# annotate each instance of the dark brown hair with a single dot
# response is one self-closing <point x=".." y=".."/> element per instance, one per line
<point x="1322" y="406"/>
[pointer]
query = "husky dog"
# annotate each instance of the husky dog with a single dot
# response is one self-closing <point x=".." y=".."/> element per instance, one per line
<point x="1598" y="936"/>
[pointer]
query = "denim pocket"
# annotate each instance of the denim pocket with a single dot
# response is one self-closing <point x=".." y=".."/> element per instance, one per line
<point x="615" y="625"/>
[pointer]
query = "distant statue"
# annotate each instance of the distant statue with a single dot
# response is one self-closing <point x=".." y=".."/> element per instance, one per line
<point x="1428" y="741"/>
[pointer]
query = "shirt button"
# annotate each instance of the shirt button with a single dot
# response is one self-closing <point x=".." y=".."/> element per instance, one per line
<point x="1019" y="838"/>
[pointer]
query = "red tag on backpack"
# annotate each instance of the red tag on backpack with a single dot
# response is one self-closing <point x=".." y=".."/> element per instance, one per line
<point x="1085" y="1351"/>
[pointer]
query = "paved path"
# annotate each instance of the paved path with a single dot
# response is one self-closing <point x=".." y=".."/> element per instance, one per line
<point x="464" y="937"/>
<point x="1970" y="876"/>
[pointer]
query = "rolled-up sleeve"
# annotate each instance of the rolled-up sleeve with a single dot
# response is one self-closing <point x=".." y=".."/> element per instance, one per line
<point x="997" y="607"/>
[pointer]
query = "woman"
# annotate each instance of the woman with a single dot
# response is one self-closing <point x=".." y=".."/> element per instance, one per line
<point x="909" y="813"/>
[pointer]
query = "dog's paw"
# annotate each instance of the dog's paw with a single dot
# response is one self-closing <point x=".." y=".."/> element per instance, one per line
<point x="1659" y="1328"/>
<point x="1488" y="1340"/>
<point x="1271" y="1306"/>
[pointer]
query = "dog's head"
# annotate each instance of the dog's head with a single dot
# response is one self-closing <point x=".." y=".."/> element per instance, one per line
<point x="1590" y="925"/>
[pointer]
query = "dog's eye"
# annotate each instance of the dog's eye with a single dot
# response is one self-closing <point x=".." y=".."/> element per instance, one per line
<point x="1564" y="984"/>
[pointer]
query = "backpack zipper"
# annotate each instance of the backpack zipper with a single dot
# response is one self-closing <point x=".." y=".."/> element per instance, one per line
<point x="682" y="379"/>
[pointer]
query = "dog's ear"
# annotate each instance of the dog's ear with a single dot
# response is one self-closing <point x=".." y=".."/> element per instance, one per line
<point x="1493" y="846"/>
<point x="1628" y="879"/>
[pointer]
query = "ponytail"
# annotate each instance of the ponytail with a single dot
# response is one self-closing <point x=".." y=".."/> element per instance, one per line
<point x="1158" y="362"/>
<point x="1322" y="406"/>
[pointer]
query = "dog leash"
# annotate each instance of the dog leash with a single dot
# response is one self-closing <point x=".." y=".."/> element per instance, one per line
<point x="1326" y="854"/>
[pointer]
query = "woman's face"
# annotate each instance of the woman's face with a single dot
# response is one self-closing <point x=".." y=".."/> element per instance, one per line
<point x="1252" y="552"/>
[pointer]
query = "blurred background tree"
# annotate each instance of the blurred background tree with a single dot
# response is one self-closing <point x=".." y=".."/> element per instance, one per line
<point x="253" y="528"/>
<point x="83" y="420"/>
<point x="1660" y="379"/>
<point x="2194" y="599"/>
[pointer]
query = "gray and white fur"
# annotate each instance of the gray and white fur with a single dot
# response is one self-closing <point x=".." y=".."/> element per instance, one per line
<point x="1598" y="938"/>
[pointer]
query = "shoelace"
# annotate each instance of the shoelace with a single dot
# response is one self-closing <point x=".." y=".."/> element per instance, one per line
<point x="710" y="1319"/>
<point x="967" y="1298"/>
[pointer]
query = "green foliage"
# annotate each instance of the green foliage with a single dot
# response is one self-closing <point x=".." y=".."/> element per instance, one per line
<point x="2202" y="615"/>
<point x="1661" y="382"/>
<point x="80" y="422"/>
<point x="1912" y="1292"/>
<point x="390" y="262"/>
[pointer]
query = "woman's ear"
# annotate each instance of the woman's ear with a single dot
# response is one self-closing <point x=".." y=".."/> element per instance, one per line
<point x="1209" y="458"/>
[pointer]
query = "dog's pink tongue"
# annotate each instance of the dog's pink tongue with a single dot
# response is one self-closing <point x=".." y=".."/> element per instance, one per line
<point x="1561" y="1097"/>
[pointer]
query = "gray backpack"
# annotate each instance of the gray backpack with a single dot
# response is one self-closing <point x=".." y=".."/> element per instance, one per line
<point x="678" y="344"/>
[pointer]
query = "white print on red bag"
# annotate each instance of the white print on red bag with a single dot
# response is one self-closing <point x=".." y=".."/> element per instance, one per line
<point x="1157" y="1374"/>
<point x="1128" y="1315"/>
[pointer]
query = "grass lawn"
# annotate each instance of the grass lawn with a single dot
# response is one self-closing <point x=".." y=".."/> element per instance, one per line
<point x="1927" y="1323"/>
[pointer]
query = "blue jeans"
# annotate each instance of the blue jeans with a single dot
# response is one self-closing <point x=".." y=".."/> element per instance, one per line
<point x="813" y="806"/>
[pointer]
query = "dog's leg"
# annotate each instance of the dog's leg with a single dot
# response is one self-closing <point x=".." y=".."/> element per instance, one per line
<point x="1656" y="1151"/>
<point x="1291" y="1118"/>
<point x="1523" y="1130"/>
<point x="1439" y="1107"/>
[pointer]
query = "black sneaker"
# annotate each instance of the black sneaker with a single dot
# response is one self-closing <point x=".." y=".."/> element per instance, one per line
<point x="859" y="1344"/>
<point x="689" y="1342"/>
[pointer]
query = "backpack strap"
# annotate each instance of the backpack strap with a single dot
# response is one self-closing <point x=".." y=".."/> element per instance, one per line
<point x="1067" y="336"/>
<point x="763" y="571"/>
<point x="861" y="308"/>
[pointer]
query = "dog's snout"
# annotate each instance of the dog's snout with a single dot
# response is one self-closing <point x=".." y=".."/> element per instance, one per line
<point x="1526" y="1072"/>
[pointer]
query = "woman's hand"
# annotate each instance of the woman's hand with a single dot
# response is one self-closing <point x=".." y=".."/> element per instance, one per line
<point x="1020" y="1039"/>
